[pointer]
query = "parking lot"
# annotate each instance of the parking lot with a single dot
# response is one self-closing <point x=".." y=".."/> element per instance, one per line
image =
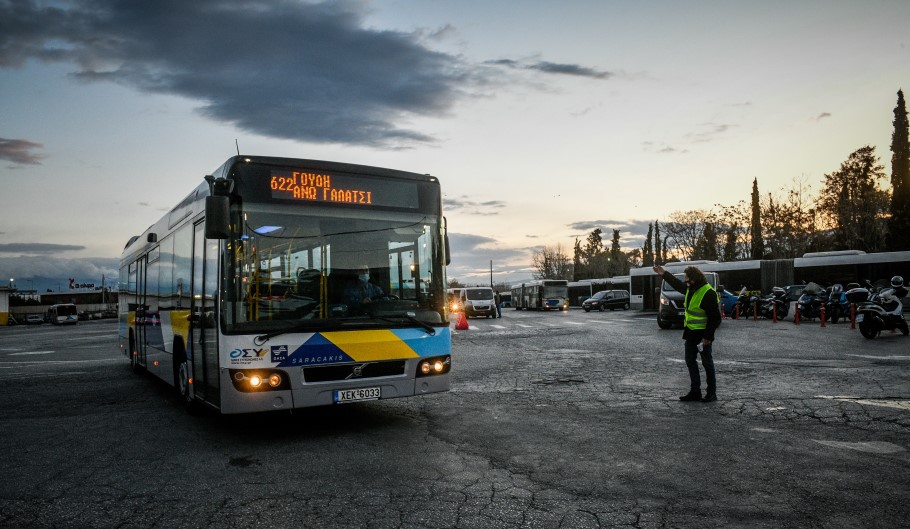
<point x="560" y="419"/>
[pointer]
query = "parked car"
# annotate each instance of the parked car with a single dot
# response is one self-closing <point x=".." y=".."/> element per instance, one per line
<point x="727" y="300"/>
<point x="34" y="319"/>
<point x="607" y="299"/>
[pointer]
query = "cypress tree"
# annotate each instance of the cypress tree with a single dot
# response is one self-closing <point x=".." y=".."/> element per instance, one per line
<point x="659" y="255"/>
<point x="647" y="252"/>
<point x="758" y="244"/>
<point x="899" y="223"/>
<point x="730" y="244"/>
<point x="577" y="265"/>
<point x="617" y="258"/>
<point x="709" y="251"/>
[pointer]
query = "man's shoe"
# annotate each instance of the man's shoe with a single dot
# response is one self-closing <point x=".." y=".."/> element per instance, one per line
<point x="710" y="397"/>
<point x="691" y="396"/>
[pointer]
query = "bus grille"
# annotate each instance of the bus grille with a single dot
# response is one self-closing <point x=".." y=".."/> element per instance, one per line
<point x="353" y="371"/>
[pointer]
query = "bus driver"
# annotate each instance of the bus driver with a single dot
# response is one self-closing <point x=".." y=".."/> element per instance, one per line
<point x="361" y="291"/>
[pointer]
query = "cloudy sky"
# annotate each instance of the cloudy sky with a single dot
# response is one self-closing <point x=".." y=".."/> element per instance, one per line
<point x="542" y="119"/>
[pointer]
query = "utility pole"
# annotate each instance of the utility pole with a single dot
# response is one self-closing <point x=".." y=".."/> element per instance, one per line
<point x="491" y="273"/>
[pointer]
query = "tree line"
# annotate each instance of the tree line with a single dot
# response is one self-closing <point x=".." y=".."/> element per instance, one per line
<point x="853" y="210"/>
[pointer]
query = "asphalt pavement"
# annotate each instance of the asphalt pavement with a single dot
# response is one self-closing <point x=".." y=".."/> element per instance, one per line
<point x="562" y="420"/>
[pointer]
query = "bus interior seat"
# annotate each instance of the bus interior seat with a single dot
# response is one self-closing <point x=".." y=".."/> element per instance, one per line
<point x="308" y="280"/>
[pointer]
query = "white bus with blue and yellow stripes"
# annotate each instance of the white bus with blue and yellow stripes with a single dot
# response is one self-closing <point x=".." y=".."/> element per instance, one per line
<point x="287" y="283"/>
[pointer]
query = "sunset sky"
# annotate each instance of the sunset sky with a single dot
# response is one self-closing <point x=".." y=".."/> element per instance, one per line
<point x="542" y="120"/>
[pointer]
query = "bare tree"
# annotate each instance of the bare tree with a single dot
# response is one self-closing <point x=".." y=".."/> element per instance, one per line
<point x="734" y="221"/>
<point x="792" y="225"/>
<point x="684" y="231"/>
<point x="552" y="262"/>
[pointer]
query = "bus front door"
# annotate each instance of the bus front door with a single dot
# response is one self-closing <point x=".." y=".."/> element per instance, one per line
<point x="204" y="321"/>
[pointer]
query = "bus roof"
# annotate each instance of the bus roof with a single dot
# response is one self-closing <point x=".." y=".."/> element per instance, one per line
<point x="192" y="204"/>
<point x="320" y="164"/>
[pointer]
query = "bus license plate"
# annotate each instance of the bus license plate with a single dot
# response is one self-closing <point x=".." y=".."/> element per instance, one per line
<point x="356" y="395"/>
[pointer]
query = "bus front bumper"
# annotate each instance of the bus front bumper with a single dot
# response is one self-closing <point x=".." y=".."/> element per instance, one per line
<point x="325" y="393"/>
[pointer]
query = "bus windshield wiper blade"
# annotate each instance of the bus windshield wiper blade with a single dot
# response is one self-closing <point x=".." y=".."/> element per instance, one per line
<point x="305" y="324"/>
<point x="334" y="324"/>
<point x="424" y="325"/>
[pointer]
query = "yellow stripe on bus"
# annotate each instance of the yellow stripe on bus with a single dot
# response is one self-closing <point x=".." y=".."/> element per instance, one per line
<point x="366" y="346"/>
<point x="180" y="323"/>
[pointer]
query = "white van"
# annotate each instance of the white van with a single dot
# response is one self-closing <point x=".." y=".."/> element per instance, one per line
<point x="478" y="301"/>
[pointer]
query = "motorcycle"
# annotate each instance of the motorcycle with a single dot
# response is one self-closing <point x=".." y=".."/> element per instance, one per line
<point x="883" y="310"/>
<point x="811" y="301"/>
<point x="837" y="306"/>
<point x="746" y="305"/>
<point x="775" y="304"/>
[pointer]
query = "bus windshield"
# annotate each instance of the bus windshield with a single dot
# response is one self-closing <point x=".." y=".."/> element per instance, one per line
<point x="66" y="310"/>
<point x="322" y="266"/>
<point x="554" y="291"/>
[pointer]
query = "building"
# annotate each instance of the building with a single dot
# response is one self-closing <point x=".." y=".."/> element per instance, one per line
<point x="4" y="305"/>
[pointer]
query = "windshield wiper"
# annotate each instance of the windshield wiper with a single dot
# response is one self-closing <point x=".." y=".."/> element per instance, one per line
<point x="335" y="324"/>
<point x="424" y="325"/>
<point x="305" y="324"/>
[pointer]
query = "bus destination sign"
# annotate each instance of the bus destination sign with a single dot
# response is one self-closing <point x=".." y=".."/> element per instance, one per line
<point x="340" y="189"/>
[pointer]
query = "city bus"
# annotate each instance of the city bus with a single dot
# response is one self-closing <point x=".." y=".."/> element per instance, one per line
<point x="241" y="296"/>
<point x="542" y="294"/>
<point x="62" y="314"/>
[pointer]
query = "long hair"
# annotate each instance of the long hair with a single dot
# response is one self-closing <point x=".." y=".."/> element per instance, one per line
<point x="695" y="275"/>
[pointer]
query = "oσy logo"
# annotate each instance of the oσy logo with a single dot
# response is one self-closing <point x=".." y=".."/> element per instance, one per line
<point x="248" y="353"/>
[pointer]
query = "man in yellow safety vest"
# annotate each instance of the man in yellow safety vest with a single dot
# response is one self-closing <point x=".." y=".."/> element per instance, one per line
<point x="702" y="318"/>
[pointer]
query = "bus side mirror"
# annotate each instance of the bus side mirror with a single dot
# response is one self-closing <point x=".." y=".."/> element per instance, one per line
<point x="217" y="217"/>
<point x="445" y="236"/>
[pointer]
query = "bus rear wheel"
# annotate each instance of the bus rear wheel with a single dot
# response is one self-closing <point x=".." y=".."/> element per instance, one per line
<point x="135" y="367"/>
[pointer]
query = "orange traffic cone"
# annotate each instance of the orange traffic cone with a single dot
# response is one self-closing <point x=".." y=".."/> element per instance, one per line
<point x="462" y="323"/>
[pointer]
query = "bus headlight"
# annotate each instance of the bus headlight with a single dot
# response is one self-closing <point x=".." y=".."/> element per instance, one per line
<point x="439" y="365"/>
<point x="253" y="380"/>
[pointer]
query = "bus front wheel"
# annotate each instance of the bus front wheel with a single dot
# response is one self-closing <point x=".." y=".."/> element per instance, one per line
<point x="183" y="382"/>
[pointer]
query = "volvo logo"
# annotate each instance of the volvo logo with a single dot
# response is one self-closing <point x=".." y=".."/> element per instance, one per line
<point x="357" y="371"/>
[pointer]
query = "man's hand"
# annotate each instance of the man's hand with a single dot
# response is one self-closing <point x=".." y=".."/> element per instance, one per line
<point x="659" y="270"/>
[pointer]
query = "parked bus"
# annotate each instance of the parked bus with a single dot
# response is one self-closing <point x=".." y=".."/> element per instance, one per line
<point x="244" y="295"/>
<point x="542" y="294"/>
<point x="62" y="314"/>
